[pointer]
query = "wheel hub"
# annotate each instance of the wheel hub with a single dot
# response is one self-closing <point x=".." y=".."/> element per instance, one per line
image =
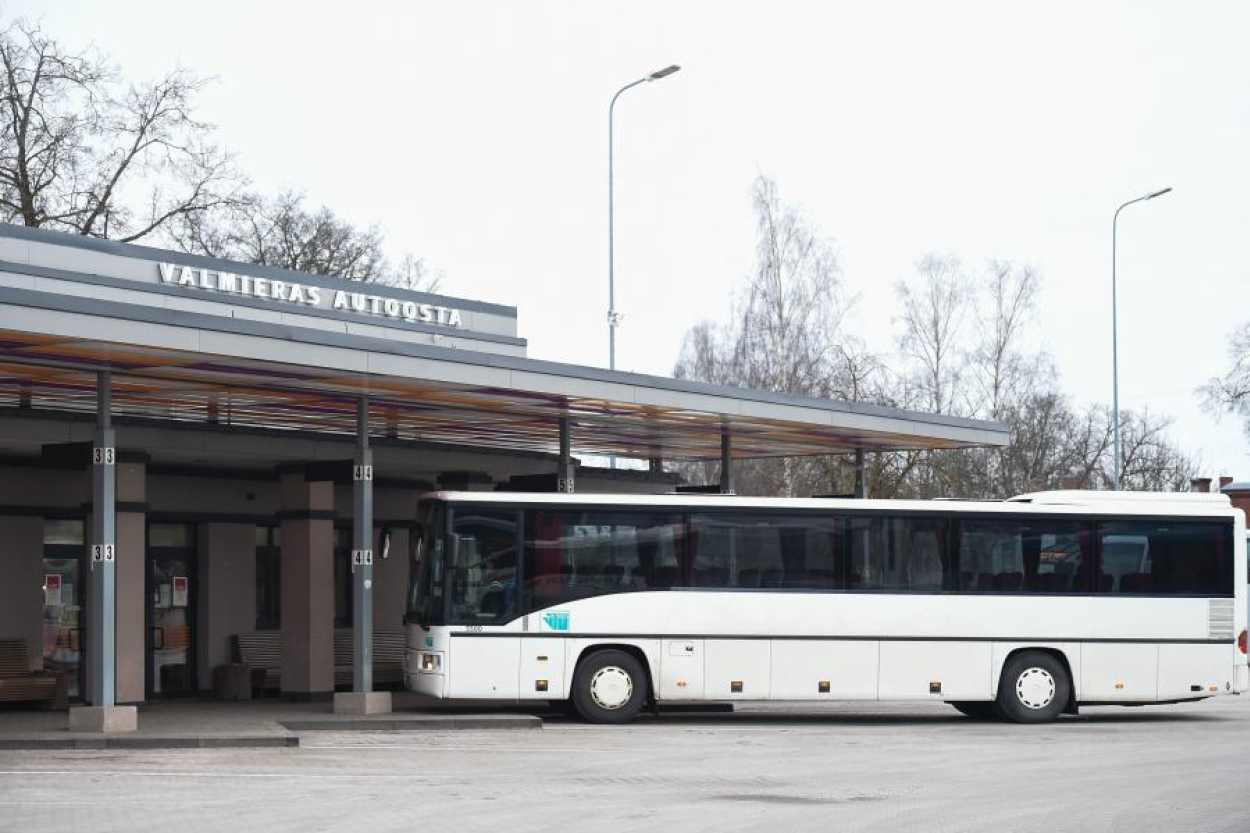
<point x="611" y="687"/>
<point x="1035" y="688"/>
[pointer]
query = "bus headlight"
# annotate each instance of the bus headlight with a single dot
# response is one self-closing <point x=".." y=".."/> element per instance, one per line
<point x="430" y="663"/>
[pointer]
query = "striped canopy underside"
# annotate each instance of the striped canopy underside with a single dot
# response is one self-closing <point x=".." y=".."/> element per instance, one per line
<point x="59" y="375"/>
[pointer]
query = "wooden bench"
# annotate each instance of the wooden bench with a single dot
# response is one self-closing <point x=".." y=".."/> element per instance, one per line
<point x="263" y="649"/>
<point x="388" y="658"/>
<point x="17" y="681"/>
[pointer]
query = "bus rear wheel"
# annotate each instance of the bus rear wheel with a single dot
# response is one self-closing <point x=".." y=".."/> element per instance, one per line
<point x="1035" y="688"/>
<point x="977" y="709"/>
<point x="609" y="687"/>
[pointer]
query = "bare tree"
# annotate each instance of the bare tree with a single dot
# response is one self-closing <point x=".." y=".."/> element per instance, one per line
<point x="999" y="365"/>
<point x="284" y="232"/>
<point x="934" y="306"/>
<point x="785" y="332"/>
<point x="1232" y="392"/>
<point x="81" y="151"/>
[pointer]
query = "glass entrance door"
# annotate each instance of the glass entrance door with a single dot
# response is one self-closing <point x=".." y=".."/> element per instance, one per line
<point x="63" y="594"/>
<point x="171" y="610"/>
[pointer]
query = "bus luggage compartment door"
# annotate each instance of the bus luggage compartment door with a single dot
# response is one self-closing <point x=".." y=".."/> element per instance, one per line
<point x="681" y="669"/>
<point x="542" y="668"/>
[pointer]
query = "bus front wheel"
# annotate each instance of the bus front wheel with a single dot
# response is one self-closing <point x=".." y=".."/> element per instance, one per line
<point x="609" y="687"/>
<point x="1034" y="688"/>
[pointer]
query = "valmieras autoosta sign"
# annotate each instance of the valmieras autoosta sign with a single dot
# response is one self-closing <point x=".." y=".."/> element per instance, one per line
<point x="307" y="295"/>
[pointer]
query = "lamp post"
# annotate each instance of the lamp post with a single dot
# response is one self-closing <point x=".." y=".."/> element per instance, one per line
<point x="1115" y="359"/>
<point x="613" y="316"/>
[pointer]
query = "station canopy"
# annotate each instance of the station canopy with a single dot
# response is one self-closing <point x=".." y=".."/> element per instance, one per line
<point x="197" y="340"/>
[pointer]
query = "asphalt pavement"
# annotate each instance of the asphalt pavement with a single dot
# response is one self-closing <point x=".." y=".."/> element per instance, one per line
<point x="886" y="767"/>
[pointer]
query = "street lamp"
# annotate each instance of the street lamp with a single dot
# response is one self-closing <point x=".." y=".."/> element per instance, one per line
<point x="1115" y="366"/>
<point x="614" y="317"/>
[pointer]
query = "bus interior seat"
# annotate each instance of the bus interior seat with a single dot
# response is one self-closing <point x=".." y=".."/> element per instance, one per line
<point x="1009" y="581"/>
<point x="712" y="577"/>
<point x="819" y="577"/>
<point x="664" y="577"/>
<point x="1050" y="582"/>
<point x="613" y="573"/>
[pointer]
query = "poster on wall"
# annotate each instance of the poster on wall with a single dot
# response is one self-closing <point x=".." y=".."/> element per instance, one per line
<point x="180" y="591"/>
<point x="52" y="590"/>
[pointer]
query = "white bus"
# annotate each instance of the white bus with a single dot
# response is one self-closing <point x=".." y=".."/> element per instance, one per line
<point x="1024" y="609"/>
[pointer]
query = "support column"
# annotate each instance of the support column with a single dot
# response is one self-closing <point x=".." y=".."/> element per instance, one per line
<point x="130" y="579"/>
<point x="726" y="460"/>
<point x="103" y="715"/>
<point x="565" y="481"/>
<point x="227" y="596"/>
<point x="307" y="587"/>
<point x="861" y="475"/>
<point x="362" y="699"/>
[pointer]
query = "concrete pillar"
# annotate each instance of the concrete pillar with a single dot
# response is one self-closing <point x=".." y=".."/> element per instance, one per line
<point x="131" y="660"/>
<point x="21" y="590"/>
<point x="227" y="596"/>
<point x="307" y="567"/>
<point x="390" y="582"/>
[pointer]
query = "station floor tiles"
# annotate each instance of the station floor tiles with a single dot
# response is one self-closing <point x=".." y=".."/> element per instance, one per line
<point x="191" y="723"/>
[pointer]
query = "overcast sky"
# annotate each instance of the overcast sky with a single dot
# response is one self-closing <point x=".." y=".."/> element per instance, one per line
<point x="475" y="135"/>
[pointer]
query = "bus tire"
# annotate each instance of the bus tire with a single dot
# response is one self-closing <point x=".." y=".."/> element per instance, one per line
<point x="1034" y="688"/>
<point x="978" y="709"/>
<point x="609" y="687"/>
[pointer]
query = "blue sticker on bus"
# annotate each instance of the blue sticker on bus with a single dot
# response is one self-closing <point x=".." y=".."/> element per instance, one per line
<point x="556" y="620"/>
<point x="429" y="642"/>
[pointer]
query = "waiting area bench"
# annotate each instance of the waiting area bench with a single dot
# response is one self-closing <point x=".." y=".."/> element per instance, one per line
<point x="17" y="681"/>
<point x="263" y="650"/>
<point x="388" y="658"/>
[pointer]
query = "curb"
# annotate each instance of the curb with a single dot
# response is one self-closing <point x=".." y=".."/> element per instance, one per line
<point x="412" y="724"/>
<point x="140" y="742"/>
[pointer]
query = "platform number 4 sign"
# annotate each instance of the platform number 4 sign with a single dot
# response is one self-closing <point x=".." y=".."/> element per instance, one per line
<point x="104" y="456"/>
<point x="362" y="472"/>
<point x="101" y="553"/>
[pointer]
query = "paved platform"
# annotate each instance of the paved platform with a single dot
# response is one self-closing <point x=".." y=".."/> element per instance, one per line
<point x="203" y="724"/>
<point x="872" y="767"/>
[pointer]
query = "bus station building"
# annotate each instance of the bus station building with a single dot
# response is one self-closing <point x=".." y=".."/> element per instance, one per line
<point x="195" y="450"/>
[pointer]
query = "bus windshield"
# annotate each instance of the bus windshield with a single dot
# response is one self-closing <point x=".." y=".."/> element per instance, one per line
<point x="425" y="584"/>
